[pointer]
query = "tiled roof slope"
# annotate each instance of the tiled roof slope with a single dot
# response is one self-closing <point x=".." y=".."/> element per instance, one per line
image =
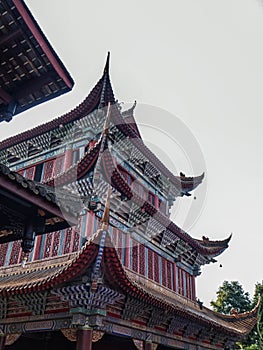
<point x="48" y="273"/>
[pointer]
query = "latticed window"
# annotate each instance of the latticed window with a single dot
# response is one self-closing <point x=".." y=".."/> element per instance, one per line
<point x="56" y="242"/>
<point x="30" y="173"/>
<point x="150" y="264"/>
<point x="169" y="275"/>
<point x="48" y="245"/>
<point x="15" y="253"/>
<point x="135" y="256"/>
<point x="48" y="170"/>
<point x="142" y="259"/>
<point x="76" y="240"/>
<point x="156" y="267"/>
<point x="3" y="252"/>
<point x="164" y="274"/>
<point x="180" y="280"/>
<point x="184" y="284"/>
<point x="58" y="167"/>
<point x="68" y="238"/>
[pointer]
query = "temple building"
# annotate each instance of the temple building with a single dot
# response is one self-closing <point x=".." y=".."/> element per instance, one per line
<point x="90" y="259"/>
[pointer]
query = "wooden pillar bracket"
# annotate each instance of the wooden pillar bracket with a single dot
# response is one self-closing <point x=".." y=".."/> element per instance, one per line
<point x="81" y="296"/>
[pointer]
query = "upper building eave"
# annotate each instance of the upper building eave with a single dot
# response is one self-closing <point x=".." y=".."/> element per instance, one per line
<point x="113" y="176"/>
<point x="32" y="72"/>
<point x="40" y="195"/>
<point x="100" y="96"/>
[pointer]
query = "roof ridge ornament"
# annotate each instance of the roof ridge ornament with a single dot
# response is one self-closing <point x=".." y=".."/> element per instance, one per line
<point x="107" y="65"/>
<point x="105" y="79"/>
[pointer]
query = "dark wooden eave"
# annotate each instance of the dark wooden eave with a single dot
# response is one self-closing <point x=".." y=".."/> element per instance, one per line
<point x="31" y="71"/>
<point x="78" y="170"/>
<point x="25" y="197"/>
<point x="185" y="183"/>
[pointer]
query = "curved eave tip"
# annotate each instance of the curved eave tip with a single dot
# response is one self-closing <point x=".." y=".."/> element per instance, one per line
<point x="229" y="238"/>
<point x="107" y="65"/>
<point x="199" y="179"/>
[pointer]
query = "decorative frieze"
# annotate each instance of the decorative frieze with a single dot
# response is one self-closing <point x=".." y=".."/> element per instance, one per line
<point x="82" y="296"/>
<point x="133" y="309"/>
<point x="176" y="325"/>
<point x="157" y="317"/>
<point x="71" y="334"/>
<point x="3" y="307"/>
<point x="168" y="238"/>
<point x="34" y="302"/>
<point x="153" y="227"/>
<point x="11" y="338"/>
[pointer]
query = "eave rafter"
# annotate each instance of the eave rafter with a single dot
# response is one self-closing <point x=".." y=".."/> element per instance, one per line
<point x="26" y="55"/>
<point x="6" y="38"/>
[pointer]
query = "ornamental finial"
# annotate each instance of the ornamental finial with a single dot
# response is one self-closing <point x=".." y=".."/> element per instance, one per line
<point x="107" y="65"/>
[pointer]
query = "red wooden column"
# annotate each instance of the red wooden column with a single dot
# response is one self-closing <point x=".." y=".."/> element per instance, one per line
<point x="68" y="157"/>
<point x="2" y="342"/>
<point x="84" y="339"/>
<point x="147" y="346"/>
<point x="89" y="223"/>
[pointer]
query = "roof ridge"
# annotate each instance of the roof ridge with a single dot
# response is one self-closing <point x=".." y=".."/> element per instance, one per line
<point x="18" y="269"/>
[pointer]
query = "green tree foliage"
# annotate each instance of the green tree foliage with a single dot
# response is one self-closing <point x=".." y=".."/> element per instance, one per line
<point x="257" y="333"/>
<point x="231" y="295"/>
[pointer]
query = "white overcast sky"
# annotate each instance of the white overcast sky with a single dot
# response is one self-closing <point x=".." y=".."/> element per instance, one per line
<point x="202" y="61"/>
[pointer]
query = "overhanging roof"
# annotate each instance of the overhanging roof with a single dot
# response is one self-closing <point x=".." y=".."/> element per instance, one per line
<point x="30" y="70"/>
<point x="20" y="198"/>
<point x="49" y="273"/>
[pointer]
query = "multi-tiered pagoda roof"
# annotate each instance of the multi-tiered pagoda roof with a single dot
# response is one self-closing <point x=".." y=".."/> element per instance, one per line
<point x="95" y="277"/>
